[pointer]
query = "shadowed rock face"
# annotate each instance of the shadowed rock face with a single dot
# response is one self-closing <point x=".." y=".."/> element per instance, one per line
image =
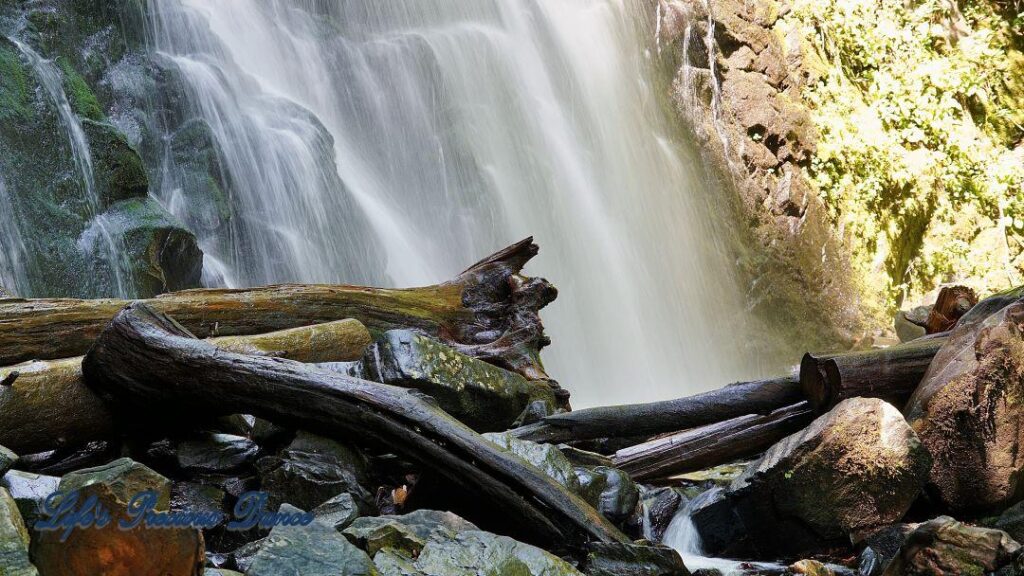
<point x="968" y="413"/>
<point x="945" y="547"/>
<point x="855" y="469"/>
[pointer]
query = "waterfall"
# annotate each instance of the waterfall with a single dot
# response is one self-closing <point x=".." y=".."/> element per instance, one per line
<point x="96" y="240"/>
<point x="396" y="142"/>
<point x="682" y="536"/>
<point x="13" y="275"/>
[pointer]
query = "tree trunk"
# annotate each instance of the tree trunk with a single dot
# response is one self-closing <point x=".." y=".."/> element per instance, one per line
<point x="144" y="359"/>
<point x="760" y="397"/>
<point x="891" y="373"/>
<point x="44" y="405"/>
<point x="488" y="312"/>
<point x="711" y="445"/>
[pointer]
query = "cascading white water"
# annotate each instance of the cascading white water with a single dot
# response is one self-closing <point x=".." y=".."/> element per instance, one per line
<point x="683" y="537"/>
<point x="96" y="240"/>
<point x="13" y="273"/>
<point x="399" y="141"/>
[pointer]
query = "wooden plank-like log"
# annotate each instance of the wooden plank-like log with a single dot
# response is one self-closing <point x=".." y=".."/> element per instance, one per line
<point x="711" y="445"/>
<point x="45" y="405"/>
<point x="760" y="397"/>
<point x="488" y="312"/>
<point x="890" y="373"/>
<point x="144" y="359"/>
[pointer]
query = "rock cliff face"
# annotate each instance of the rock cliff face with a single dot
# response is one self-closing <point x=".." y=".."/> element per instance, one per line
<point x="738" y="87"/>
<point x="871" y="163"/>
<point x="75" y="92"/>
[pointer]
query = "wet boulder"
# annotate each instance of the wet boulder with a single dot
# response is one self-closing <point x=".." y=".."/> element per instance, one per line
<point x="475" y="552"/>
<point x="618" y="500"/>
<point x="109" y="549"/>
<point x="1011" y="521"/>
<point x="7" y="459"/>
<point x="881" y="547"/>
<point x="614" y="559"/>
<point x="546" y="457"/>
<point x="967" y="411"/>
<point x="315" y="549"/>
<point x="851" y="471"/>
<point x="945" y="547"/>
<point x="215" y="453"/>
<point x="657" y="507"/>
<point x="29" y="491"/>
<point x="406" y="534"/>
<point x="313" y="469"/>
<point x="14" y="540"/>
<point x="338" y="512"/>
<point x="483" y="396"/>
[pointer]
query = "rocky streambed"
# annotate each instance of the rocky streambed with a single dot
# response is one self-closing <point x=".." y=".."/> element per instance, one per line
<point x="348" y="430"/>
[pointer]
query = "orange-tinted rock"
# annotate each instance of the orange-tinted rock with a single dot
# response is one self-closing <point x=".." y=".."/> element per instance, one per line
<point x="111" y="551"/>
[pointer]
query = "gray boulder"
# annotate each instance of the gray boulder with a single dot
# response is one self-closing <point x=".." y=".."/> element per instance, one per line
<point x="549" y="459"/>
<point x="312" y="470"/>
<point x="338" y="512"/>
<point x="473" y="553"/>
<point x="485" y="397"/>
<point x="405" y="534"/>
<point x="313" y="550"/>
<point x="851" y="471"/>
<point x="612" y="559"/>
<point x="216" y="453"/>
<point x="29" y="492"/>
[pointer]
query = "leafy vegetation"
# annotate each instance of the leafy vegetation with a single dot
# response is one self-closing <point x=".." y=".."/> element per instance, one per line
<point x="920" y="109"/>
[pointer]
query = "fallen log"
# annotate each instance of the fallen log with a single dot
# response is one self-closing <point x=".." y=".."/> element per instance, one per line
<point x="488" y="312"/>
<point x="711" y="445"/>
<point x="45" y="405"/>
<point x="891" y="373"/>
<point x="144" y="359"/>
<point x="760" y="397"/>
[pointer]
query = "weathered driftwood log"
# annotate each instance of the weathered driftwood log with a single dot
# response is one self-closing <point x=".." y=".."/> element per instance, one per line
<point x="760" y="397"/>
<point x="488" y="312"/>
<point x="711" y="445"/>
<point x="144" y="359"/>
<point x="44" y="405"/>
<point x="891" y="373"/>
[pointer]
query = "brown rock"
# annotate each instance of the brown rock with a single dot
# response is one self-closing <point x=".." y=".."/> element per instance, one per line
<point x="968" y="411"/>
<point x="852" y="470"/>
<point x="111" y="551"/>
<point x="945" y="547"/>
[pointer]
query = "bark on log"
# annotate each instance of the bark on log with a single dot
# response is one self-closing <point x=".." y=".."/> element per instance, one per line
<point x="45" y="405"/>
<point x="891" y="373"/>
<point x="145" y="359"/>
<point x="711" y="445"/>
<point x="760" y="397"/>
<point x="489" y="311"/>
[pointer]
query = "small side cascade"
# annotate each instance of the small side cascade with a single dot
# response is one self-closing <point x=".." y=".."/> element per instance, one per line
<point x="97" y="238"/>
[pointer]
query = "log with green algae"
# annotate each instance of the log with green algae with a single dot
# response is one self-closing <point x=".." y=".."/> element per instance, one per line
<point x="490" y="312"/>
<point x="45" y="404"/>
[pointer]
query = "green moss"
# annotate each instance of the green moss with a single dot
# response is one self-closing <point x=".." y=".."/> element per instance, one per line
<point x="15" y="98"/>
<point x="82" y="98"/>
<point x="920" y="111"/>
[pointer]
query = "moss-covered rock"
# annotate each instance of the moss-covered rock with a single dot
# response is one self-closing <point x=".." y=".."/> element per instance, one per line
<point x="968" y="411"/>
<point x="472" y="553"/>
<point x="482" y="395"/>
<point x="117" y="168"/>
<point x="313" y="550"/>
<point x="945" y="547"/>
<point x="545" y="457"/>
<point x="14" y="540"/>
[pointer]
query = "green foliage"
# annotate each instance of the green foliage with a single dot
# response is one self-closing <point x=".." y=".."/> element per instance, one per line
<point x="919" y="159"/>
<point x="14" y="89"/>
<point x="79" y="94"/>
